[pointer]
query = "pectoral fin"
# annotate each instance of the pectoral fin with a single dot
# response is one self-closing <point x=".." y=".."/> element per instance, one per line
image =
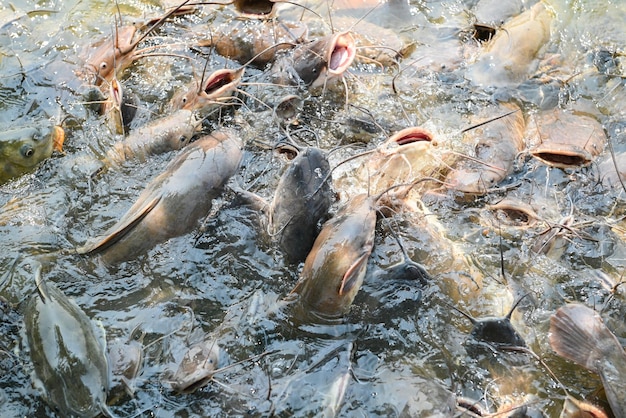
<point x="120" y="230"/>
<point x="354" y="275"/>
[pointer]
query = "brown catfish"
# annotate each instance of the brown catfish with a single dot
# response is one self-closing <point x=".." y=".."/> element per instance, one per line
<point x="566" y="139"/>
<point x="173" y="203"/>
<point x="317" y="62"/>
<point x="203" y="96"/>
<point x="497" y="145"/>
<point x="334" y="269"/>
<point x="255" y="42"/>
<point x="579" y="334"/>
<point x="107" y="57"/>
<point x="510" y="57"/>
<point x="162" y="135"/>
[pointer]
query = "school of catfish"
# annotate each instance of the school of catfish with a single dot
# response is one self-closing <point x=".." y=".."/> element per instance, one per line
<point x="267" y="208"/>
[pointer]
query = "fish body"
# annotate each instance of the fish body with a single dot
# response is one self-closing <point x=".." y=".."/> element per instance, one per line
<point x="70" y="364"/>
<point x="173" y="203"/>
<point x="510" y="57"/>
<point x="334" y="269"/>
<point x="566" y="139"/>
<point x="256" y="41"/>
<point x="579" y="334"/>
<point x="498" y="143"/>
<point x="22" y="149"/>
<point x="162" y="135"/>
<point x="301" y="201"/>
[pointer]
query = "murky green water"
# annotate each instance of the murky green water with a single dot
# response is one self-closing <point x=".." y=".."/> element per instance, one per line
<point x="401" y="351"/>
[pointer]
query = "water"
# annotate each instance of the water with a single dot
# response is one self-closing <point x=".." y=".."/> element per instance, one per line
<point x="401" y="351"/>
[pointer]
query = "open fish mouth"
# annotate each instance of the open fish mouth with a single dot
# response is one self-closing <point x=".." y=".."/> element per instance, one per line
<point x="342" y="53"/>
<point x="411" y="136"/>
<point x="222" y="81"/>
<point x="255" y="8"/>
<point x="565" y="156"/>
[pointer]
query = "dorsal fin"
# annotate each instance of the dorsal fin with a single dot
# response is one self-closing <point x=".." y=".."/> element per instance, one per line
<point x="121" y="230"/>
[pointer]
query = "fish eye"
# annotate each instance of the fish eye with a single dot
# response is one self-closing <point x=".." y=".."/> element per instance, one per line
<point x="103" y="65"/>
<point x="182" y="138"/>
<point x="27" y="151"/>
<point x="184" y="100"/>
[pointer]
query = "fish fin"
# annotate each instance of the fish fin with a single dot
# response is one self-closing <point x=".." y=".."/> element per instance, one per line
<point x="121" y="230"/>
<point x="58" y="138"/>
<point x="42" y="288"/>
<point x="579" y="334"/>
<point x="353" y="274"/>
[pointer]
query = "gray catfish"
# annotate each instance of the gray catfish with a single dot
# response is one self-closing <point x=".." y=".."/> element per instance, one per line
<point x="579" y="334"/>
<point x="168" y="133"/>
<point x="301" y="201"/>
<point x="174" y="202"/>
<point x="70" y="364"/>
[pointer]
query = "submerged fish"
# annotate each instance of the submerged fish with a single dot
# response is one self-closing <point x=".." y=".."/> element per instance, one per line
<point x="21" y="150"/>
<point x="173" y="203"/>
<point x="579" y="334"/>
<point x="69" y="358"/>
<point x="301" y="201"/>
<point x="196" y="368"/>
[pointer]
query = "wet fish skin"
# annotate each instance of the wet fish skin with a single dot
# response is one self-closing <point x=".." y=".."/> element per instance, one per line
<point x="578" y="333"/>
<point x="172" y="204"/>
<point x="497" y="145"/>
<point x="509" y="58"/>
<point x="334" y="269"/>
<point x="257" y="41"/>
<point x="218" y="86"/>
<point x="317" y="62"/>
<point x="196" y="367"/>
<point x="566" y="139"/>
<point x="22" y="149"/>
<point x="70" y="364"/>
<point x="169" y="133"/>
<point x="298" y="206"/>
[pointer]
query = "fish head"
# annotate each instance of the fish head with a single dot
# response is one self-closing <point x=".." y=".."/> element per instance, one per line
<point x="567" y="139"/>
<point x="497" y="331"/>
<point x="196" y="368"/>
<point x="218" y="86"/>
<point x="24" y="148"/>
<point x="102" y="61"/>
<point x="324" y="59"/>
